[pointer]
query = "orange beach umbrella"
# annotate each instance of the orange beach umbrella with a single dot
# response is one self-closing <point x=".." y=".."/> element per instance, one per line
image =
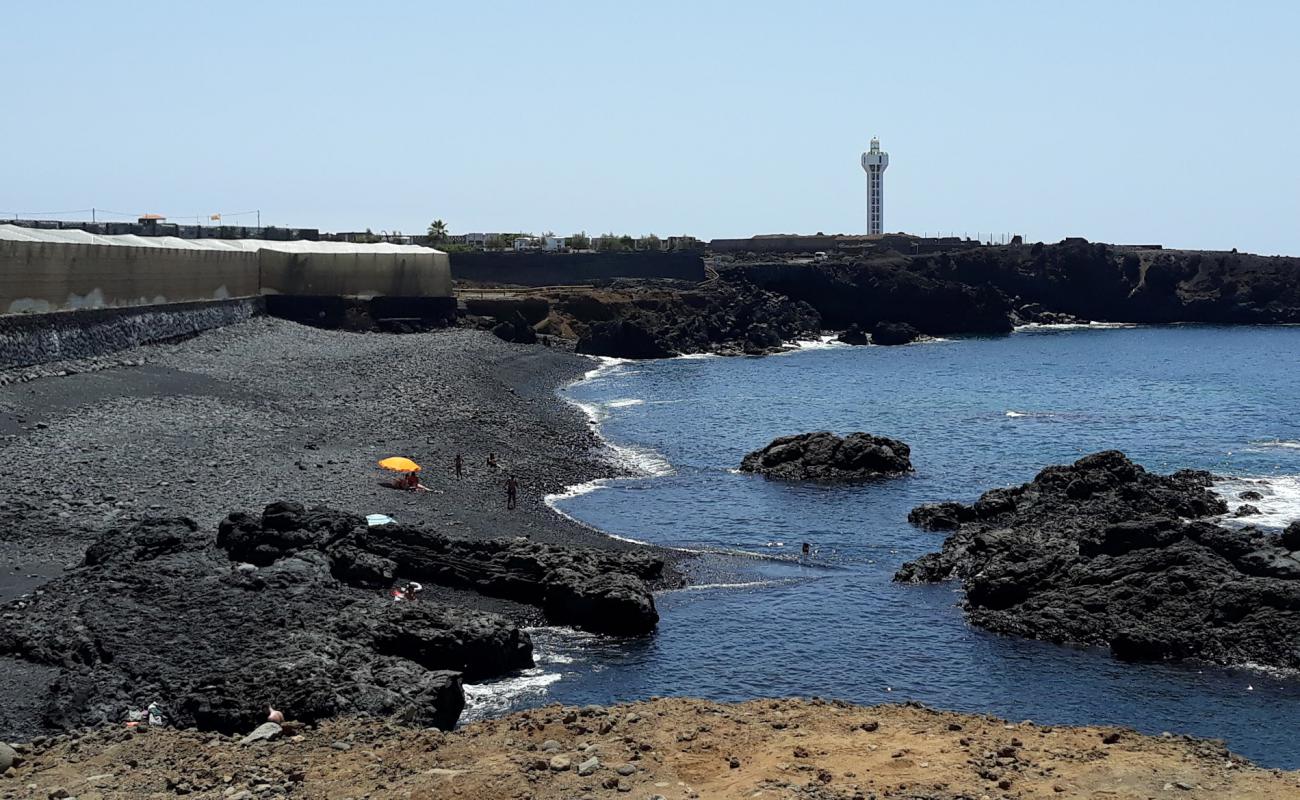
<point x="399" y="464"/>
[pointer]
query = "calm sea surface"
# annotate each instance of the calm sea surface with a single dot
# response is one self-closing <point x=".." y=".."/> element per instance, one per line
<point x="978" y="413"/>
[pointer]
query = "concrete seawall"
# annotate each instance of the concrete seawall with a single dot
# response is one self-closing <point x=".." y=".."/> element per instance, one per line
<point x="362" y="275"/>
<point x="86" y="295"/>
<point x="29" y="339"/>
<point x="40" y="277"/>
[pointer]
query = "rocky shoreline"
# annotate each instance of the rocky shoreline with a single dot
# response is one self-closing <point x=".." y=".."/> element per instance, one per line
<point x="1102" y="552"/>
<point x="240" y="418"/>
<point x="663" y="749"/>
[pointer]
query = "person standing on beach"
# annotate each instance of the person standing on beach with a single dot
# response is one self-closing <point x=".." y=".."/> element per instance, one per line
<point x="460" y="465"/>
<point x="492" y="460"/>
<point x="512" y="493"/>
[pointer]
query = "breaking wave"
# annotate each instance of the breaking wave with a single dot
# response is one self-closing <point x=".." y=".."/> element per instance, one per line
<point x="1279" y="502"/>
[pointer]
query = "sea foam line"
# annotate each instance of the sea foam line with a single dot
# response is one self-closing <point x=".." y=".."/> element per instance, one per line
<point x="1279" y="504"/>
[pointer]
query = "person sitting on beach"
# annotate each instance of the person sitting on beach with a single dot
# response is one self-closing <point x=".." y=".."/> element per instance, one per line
<point x="409" y="482"/>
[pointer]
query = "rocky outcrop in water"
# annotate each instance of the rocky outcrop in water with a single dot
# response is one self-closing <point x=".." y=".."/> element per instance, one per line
<point x="824" y="456"/>
<point x="894" y="333"/>
<point x="1103" y="552"/>
<point x="292" y="608"/>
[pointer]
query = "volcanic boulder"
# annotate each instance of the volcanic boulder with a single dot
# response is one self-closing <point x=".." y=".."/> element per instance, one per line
<point x="854" y="334"/>
<point x="893" y="333"/>
<point x="824" y="456"/>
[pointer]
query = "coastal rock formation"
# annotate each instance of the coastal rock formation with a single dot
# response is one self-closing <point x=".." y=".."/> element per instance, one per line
<point x="293" y="608"/>
<point x="1035" y="314"/>
<point x="600" y="591"/>
<point x="630" y="320"/>
<point x="514" y="328"/>
<point x="870" y="292"/>
<point x="990" y="289"/>
<point x="673" y="747"/>
<point x="158" y="613"/>
<point x="855" y="335"/>
<point x="824" y="456"/>
<point x="893" y="333"/>
<point x="1103" y="552"/>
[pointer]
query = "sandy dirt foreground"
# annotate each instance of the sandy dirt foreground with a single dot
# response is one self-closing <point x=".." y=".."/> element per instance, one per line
<point x="669" y="748"/>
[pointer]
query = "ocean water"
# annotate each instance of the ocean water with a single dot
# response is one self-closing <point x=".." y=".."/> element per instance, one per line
<point x="978" y="413"/>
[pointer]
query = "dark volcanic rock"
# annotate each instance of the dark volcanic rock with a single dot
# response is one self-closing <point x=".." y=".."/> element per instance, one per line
<point x="291" y="608"/>
<point x="1103" y="552"/>
<point x="854" y="335"/>
<point x="823" y="456"/>
<point x="867" y="293"/>
<point x="729" y="317"/>
<point x="892" y="333"/>
<point x="597" y="590"/>
<point x="624" y="338"/>
<point x="515" y="328"/>
<point x="159" y="613"/>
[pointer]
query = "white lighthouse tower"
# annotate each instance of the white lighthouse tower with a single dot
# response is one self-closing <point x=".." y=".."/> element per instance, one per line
<point x="875" y="161"/>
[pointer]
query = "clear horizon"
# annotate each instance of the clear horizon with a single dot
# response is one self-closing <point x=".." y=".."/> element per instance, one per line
<point x="1169" y="123"/>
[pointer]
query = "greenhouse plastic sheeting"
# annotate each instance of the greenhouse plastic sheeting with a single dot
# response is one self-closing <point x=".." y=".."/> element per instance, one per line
<point x="14" y="233"/>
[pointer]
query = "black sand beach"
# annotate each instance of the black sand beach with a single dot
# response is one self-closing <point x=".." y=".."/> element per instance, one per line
<point x="268" y="410"/>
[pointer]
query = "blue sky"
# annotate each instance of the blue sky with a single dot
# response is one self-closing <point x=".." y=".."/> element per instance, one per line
<point x="1170" y="122"/>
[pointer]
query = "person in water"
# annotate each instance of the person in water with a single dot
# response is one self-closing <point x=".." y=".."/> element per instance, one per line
<point x="807" y="550"/>
<point x="512" y="493"/>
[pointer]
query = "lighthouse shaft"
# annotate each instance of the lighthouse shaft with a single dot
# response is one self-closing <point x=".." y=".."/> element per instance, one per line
<point x="875" y="161"/>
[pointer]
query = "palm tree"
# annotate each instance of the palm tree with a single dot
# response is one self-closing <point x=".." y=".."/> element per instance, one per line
<point x="438" y="231"/>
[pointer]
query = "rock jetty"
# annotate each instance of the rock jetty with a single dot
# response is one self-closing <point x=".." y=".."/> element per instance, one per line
<point x="824" y="456"/>
<point x="1102" y="552"/>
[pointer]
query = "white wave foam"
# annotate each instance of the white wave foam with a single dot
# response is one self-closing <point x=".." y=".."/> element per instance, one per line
<point x="576" y="490"/>
<point x="594" y="412"/>
<point x="605" y="364"/>
<point x="1271" y="671"/>
<point x="1022" y="414"/>
<point x="1279" y="504"/>
<point x="697" y="356"/>
<point x="1074" y="326"/>
<point x="827" y="341"/>
<point x="497" y="697"/>
<point x="1283" y="444"/>
<point x="642" y="460"/>
<point x="742" y="585"/>
<point x="624" y="403"/>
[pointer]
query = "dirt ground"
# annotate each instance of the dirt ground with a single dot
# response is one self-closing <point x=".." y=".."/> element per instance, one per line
<point x="666" y="748"/>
